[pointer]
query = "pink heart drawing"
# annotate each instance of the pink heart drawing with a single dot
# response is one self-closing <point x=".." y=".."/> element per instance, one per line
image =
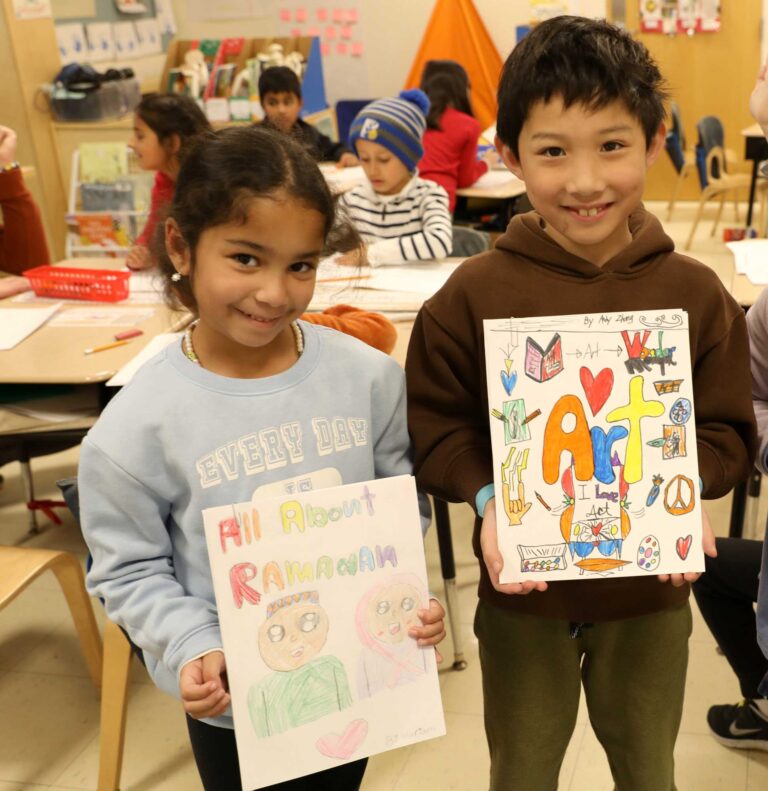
<point x="342" y="746"/>
<point x="597" y="388"/>
<point x="683" y="545"/>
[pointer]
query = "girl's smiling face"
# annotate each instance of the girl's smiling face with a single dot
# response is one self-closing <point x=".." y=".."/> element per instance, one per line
<point x="150" y="152"/>
<point x="250" y="280"/>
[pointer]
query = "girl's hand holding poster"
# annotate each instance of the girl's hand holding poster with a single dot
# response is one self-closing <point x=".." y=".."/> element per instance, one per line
<point x="594" y="445"/>
<point x="316" y="592"/>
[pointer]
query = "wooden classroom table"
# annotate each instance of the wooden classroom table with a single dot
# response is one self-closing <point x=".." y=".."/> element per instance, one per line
<point x="55" y="355"/>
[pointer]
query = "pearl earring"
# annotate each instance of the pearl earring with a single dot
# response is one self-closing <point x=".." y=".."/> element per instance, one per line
<point x="176" y="276"/>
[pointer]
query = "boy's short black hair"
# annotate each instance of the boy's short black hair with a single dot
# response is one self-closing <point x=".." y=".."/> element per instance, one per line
<point x="583" y="61"/>
<point x="279" y="79"/>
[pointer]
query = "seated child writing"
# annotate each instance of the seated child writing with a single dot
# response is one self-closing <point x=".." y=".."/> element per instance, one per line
<point x="581" y="111"/>
<point x="280" y="94"/>
<point x="400" y="216"/>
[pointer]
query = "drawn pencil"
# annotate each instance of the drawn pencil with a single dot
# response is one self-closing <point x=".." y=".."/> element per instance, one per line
<point x="541" y="500"/>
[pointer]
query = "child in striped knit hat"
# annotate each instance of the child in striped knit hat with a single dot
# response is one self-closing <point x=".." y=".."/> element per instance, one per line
<point x="400" y="216"/>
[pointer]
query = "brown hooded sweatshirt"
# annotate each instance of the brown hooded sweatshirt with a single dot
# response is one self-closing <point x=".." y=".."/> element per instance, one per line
<point x="529" y="274"/>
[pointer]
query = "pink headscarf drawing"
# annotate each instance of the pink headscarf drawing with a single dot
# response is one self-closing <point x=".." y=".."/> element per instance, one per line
<point x="384" y="615"/>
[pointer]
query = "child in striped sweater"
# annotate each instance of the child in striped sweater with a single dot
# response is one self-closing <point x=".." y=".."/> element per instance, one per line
<point x="400" y="216"/>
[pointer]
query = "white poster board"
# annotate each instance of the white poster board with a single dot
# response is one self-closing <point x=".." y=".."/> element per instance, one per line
<point x="594" y="445"/>
<point x="316" y="592"/>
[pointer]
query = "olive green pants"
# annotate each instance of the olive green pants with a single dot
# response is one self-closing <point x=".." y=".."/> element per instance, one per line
<point x="633" y="672"/>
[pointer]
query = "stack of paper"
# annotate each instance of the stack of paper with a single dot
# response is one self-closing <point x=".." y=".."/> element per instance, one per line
<point x="750" y="258"/>
<point x="17" y="323"/>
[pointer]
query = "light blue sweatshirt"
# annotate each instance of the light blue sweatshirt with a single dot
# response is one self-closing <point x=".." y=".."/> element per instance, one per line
<point x="179" y="439"/>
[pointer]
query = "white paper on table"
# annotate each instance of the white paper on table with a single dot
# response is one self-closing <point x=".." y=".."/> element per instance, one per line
<point x="146" y="282"/>
<point x="419" y="278"/>
<point x="154" y="347"/>
<point x="321" y="586"/>
<point x="18" y="323"/>
<point x="493" y="179"/>
<point x="584" y="487"/>
<point x="100" y="315"/>
<point x="101" y="45"/>
<point x="750" y="258"/>
<point x="342" y="179"/>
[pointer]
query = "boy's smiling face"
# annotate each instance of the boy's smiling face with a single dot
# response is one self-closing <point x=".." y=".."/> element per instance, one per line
<point x="584" y="172"/>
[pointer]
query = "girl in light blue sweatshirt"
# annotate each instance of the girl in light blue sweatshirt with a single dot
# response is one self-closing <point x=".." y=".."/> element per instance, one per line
<point x="251" y="399"/>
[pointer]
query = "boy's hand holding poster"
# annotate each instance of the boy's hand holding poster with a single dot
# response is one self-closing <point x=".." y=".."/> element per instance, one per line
<point x="316" y="592"/>
<point x="594" y="445"/>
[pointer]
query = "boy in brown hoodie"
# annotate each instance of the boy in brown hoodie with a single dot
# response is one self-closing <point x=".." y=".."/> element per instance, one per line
<point x="580" y="121"/>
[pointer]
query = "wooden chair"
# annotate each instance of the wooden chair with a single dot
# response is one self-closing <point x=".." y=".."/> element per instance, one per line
<point x="114" y="674"/>
<point x="19" y="566"/>
<point x="719" y="184"/>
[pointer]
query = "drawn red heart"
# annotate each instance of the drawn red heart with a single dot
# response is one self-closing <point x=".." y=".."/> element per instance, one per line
<point x="334" y="745"/>
<point x="597" y="388"/>
<point x="683" y="545"/>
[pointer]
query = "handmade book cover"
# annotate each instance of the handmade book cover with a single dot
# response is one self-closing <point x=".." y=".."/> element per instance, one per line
<point x="316" y="591"/>
<point x="595" y="468"/>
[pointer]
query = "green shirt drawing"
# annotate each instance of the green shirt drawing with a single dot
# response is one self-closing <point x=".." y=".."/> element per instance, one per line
<point x="285" y="700"/>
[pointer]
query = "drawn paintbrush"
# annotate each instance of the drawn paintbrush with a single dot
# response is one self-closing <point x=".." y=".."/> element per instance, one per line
<point x="530" y="417"/>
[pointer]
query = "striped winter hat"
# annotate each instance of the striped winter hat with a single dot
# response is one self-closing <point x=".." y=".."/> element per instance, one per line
<point x="398" y="124"/>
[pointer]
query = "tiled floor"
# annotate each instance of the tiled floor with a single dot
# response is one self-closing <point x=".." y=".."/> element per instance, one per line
<point x="49" y="709"/>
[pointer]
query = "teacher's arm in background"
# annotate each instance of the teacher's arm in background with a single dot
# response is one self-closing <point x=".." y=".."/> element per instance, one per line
<point x="22" y="237"/>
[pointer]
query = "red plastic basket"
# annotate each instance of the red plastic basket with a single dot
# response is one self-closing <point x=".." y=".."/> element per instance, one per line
<point x="64" y="282"/>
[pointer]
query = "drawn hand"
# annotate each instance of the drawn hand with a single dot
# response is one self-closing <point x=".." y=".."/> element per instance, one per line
<point x="433" y="630"/>
<point x="758" y="101"/>
<point x="348" y="160"/>
<point x="710" y="550"/>
<point x="203" y="686"/>
<point x="7" y="146"/>
<point x="139" y="257"/>
<point x="494" y="562"/>
<point x="515" y="509"/>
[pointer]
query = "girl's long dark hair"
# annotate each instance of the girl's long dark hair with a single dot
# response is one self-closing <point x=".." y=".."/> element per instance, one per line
<point x="447" y="85"/>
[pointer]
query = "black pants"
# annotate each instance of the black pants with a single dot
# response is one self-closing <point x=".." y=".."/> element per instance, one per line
<point x="215" y="752"/>
<point x="726" y="594"/>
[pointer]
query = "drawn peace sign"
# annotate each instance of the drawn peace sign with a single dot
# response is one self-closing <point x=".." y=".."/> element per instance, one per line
<point x="682" y="504"/>
<point x="515" y="509"/>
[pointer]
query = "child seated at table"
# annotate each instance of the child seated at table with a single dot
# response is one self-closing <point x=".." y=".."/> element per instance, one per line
<point x="400" y="216"/>
<point x="280" y="94"/>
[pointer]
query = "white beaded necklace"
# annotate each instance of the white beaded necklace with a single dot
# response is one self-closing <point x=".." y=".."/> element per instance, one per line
<point x="189" y="349"/>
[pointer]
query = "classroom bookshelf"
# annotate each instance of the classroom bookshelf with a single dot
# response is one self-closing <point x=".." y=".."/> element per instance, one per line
<point x="234" y="55"/>
<point x="108" y="204"/>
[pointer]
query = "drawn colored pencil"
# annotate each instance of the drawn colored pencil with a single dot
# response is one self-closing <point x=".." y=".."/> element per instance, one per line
<point x="499" y="415"/>
<point x="541" y="500"/>
<point x="533" y="415"/>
